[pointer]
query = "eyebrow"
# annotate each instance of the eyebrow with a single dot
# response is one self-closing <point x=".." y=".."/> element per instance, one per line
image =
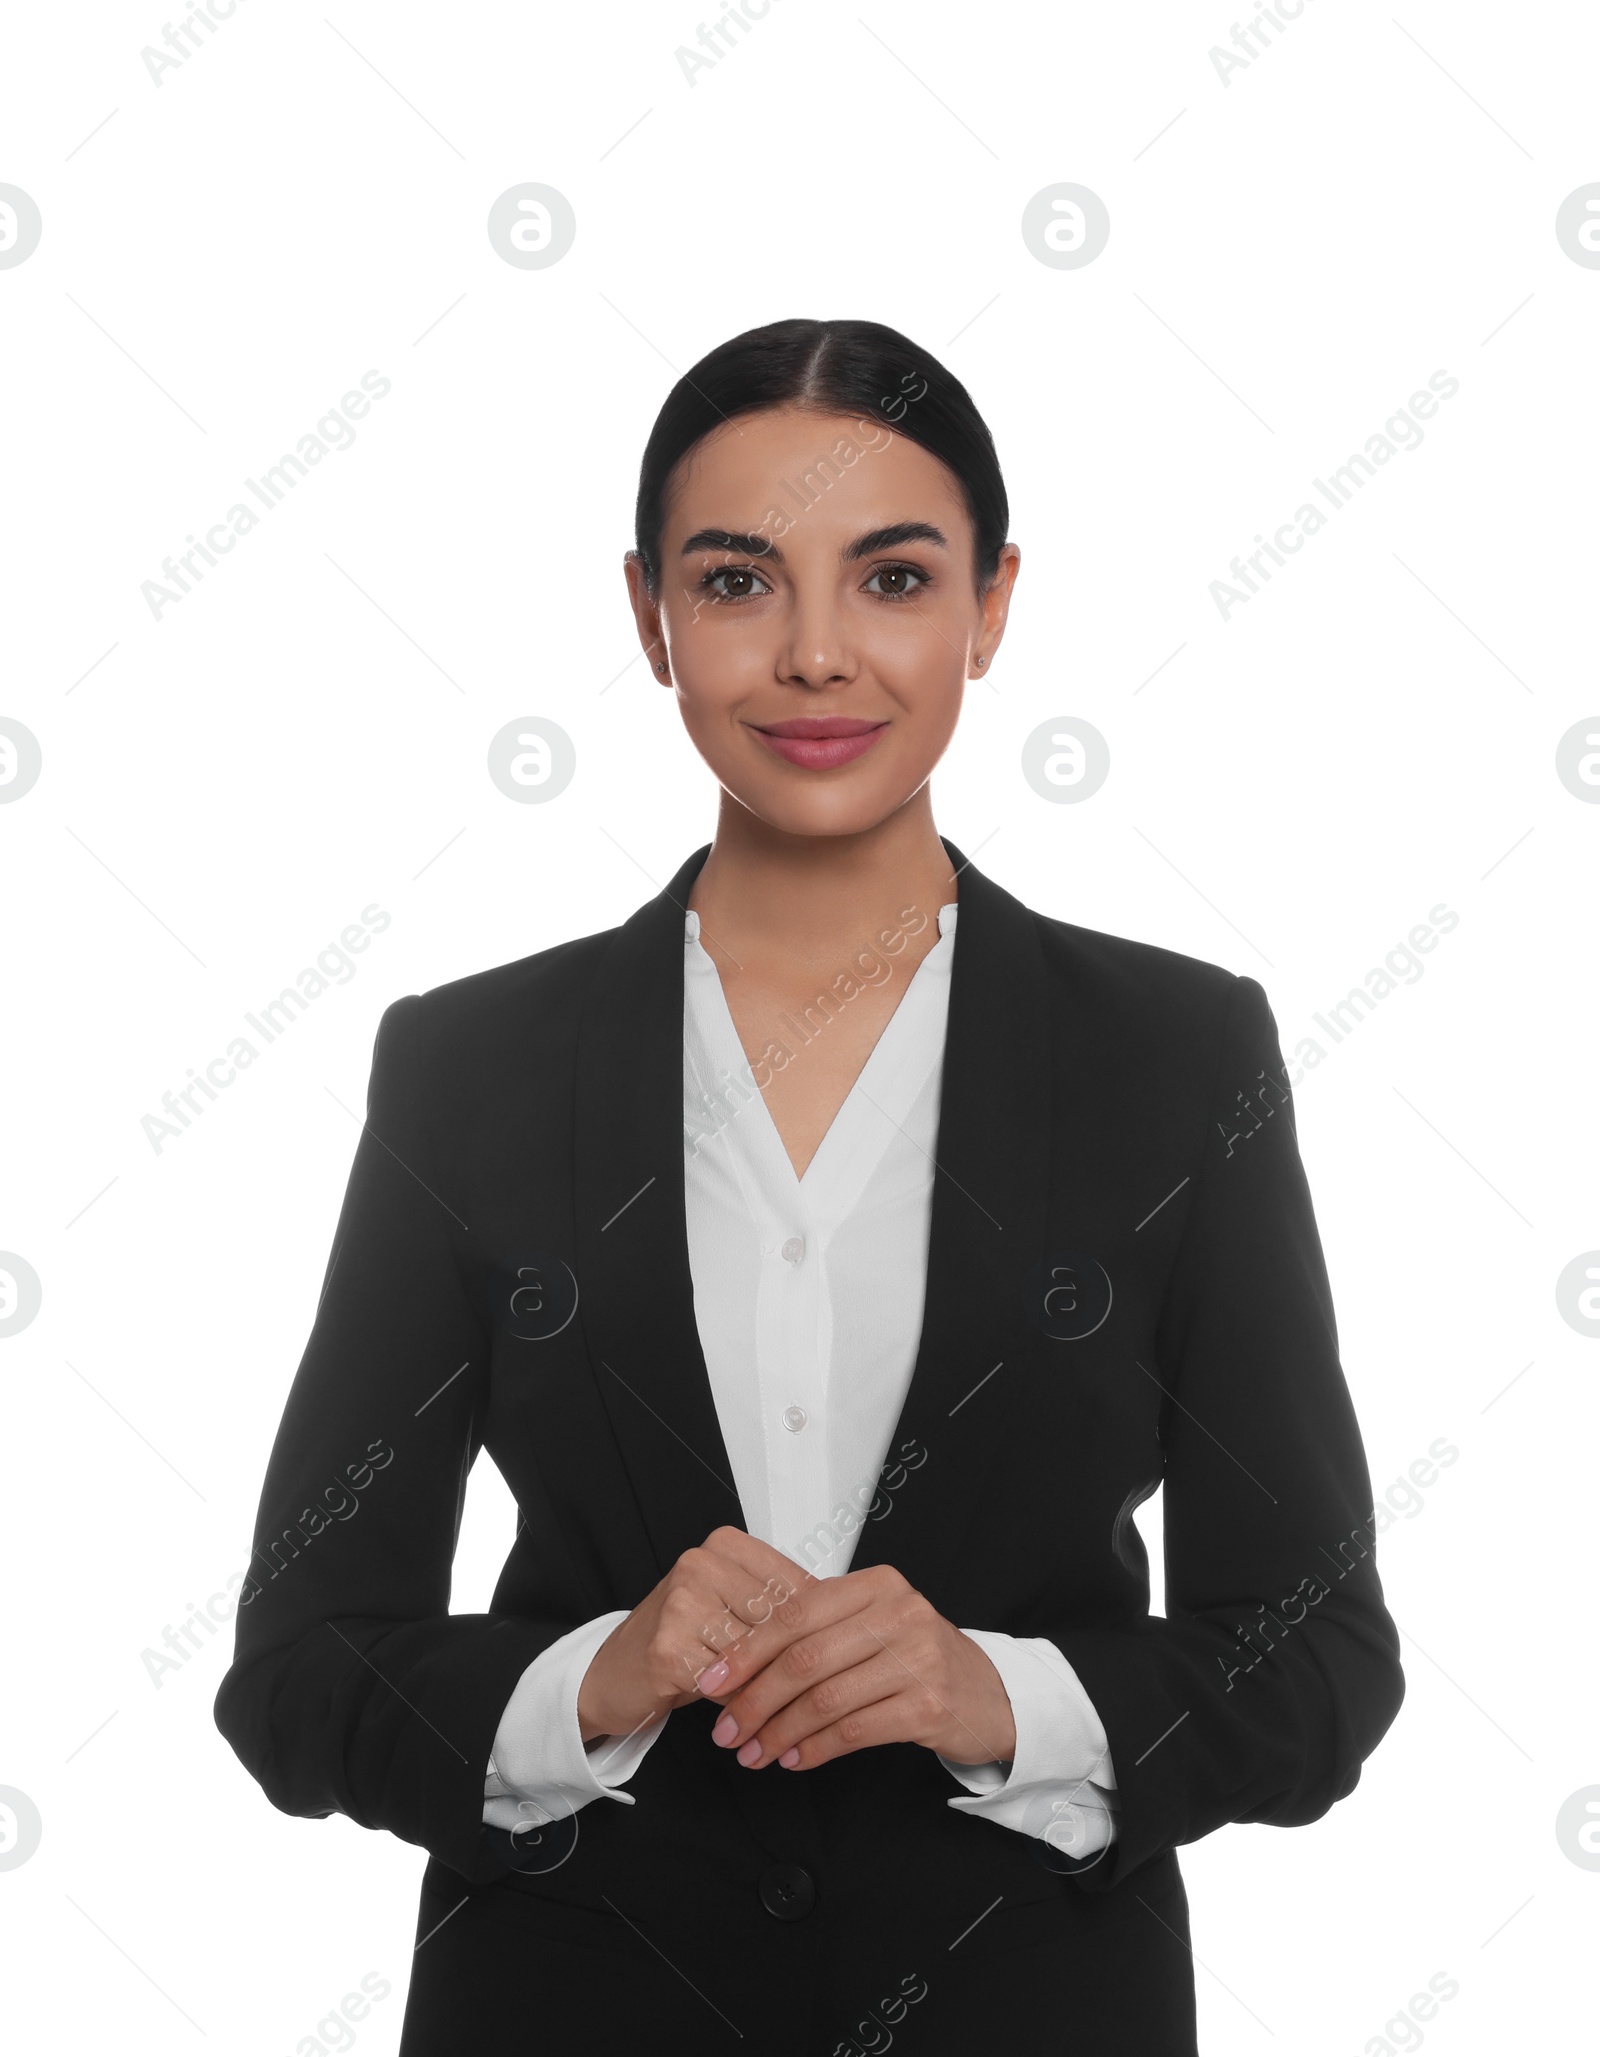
<point x="889" y="538"/>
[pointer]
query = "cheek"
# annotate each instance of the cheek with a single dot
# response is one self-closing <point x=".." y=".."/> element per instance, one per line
<point x="713" y="675"/>
<point x="918" y="646"/>
<point x="928" y="686"/>
<point x="708" y="723"/>
<point x="716" y="661"/>
<point x="936" y="723"/>
<point x="711" y="718"/>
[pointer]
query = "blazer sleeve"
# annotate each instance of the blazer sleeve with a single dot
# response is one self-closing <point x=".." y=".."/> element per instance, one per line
<point x="1276" y="1669"/>
<point x="542" y="1769"/>
<point x="353" y="1688"/>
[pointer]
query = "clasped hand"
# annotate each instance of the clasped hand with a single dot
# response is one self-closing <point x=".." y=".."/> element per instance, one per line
<point x="806" y="1669"/>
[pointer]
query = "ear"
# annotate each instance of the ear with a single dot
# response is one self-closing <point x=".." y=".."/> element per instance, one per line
<point x="995" y="608"/>
<point x="647" y="617"/>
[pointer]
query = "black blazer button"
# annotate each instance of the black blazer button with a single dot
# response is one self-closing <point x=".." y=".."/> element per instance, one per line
<point x="787" y="1891"/>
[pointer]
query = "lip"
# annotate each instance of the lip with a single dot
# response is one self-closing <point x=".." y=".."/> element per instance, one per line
<point x="820" y="742"/>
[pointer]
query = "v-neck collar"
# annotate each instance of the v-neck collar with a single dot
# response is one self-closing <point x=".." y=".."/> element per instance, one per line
<point x="991" y="1210"/>
<point x="878" y="1103"/>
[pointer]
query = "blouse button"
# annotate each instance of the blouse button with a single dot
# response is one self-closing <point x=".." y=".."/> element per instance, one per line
<point x="794" y="1419"/>
<point x="793" y="1250"/>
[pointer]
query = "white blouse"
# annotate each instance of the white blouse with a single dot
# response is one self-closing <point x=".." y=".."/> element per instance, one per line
<point x="808" y="1297"/>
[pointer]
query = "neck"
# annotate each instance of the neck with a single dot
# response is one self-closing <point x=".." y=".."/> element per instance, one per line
<point x="766" y="894"/>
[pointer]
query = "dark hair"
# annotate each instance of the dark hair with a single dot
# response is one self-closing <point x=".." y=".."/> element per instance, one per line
<point x="858" y="368"/>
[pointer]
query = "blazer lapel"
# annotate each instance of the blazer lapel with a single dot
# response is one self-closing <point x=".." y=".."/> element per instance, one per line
<point x="990" y="1195"/>
<point x="987" y="1233"/>
<point x="635" y="1289"/>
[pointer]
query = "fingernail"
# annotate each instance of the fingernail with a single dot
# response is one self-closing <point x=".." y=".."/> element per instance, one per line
<point x="790" y="1757"/>
<point x="751" y="1752"/>
<point x="713" y="1676"/>
<point x="726" y="1729"/>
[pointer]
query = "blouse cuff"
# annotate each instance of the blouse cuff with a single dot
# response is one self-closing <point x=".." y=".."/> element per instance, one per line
<point x="540" y="1759"/>
<point x="1060" y="1784"/>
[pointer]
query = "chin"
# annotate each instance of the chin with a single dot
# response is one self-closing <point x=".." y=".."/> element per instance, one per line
<point x="836" y="812"/>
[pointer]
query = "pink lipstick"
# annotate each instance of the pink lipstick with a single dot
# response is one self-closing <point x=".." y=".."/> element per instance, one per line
<point x="819" y="742"/>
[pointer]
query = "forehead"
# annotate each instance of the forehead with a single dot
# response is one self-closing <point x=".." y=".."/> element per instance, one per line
<point x="846" y="472"/>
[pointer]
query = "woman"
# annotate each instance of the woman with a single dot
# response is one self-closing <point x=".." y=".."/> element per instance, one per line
<point x="832" y="1258"/>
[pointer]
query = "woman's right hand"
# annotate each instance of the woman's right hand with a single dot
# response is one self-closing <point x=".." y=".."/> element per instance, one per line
<point x="651" y="1663"/>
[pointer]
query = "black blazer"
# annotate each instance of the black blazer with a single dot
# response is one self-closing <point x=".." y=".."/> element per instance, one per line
<point x="1120" y="1222"/>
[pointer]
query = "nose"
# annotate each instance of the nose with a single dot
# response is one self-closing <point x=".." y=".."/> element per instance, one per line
<point x="816" y="651"/>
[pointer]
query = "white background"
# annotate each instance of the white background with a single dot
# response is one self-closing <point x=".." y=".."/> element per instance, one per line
<point x="1292" y="789"/>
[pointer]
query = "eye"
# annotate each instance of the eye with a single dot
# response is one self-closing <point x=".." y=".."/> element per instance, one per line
<point x="746" y="582"/>
<point x="899" y="576"/>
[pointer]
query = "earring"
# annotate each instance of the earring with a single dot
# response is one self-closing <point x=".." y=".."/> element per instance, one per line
<point x="980" y="661"/>
<point x="661" y="667"/>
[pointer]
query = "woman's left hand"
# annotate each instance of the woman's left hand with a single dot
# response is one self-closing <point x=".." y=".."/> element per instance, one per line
<point x="845" y="1663"/>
